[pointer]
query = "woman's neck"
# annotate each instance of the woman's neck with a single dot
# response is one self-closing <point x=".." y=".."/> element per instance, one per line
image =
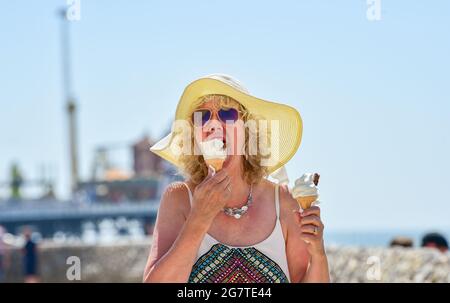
<point x="239" y="187"/>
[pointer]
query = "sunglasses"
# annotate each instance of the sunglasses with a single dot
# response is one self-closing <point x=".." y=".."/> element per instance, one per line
<point x="225" y="115"/>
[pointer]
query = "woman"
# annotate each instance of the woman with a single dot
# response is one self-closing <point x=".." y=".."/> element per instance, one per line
<point x="233" y="225"/>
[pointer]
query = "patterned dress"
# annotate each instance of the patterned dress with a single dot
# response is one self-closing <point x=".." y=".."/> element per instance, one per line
<point x="222" y="264"/>
<point x="264" y="262"/>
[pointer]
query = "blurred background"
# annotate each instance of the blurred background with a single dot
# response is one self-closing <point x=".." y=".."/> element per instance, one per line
<point x="86" y="87"/>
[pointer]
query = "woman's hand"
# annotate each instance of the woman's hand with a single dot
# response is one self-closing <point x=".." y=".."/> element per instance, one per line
<point x="311" y="227"/>
<point x="211" y="195"/>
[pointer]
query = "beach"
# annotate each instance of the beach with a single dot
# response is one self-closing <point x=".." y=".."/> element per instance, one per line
<point x="124" y="261"/>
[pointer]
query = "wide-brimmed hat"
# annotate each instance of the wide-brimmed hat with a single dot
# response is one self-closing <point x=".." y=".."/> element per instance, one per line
<point x="288" y="132"/>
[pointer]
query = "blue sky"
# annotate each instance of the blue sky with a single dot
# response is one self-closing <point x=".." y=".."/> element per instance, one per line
<point x="373" y="96"/>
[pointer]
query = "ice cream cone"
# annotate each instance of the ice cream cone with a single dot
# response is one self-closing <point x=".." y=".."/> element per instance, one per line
<point x="306" y="202"/>
<point x="215" y="163"/>
<point x="305" y="190"/>
<point x="214" y="153"/>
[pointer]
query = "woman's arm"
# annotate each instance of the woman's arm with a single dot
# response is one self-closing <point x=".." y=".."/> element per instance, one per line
<point x="318" y="270"/>
<point x="307" y="262"/>
<point x="176" y="240"/>
<point x="312" y="228"/>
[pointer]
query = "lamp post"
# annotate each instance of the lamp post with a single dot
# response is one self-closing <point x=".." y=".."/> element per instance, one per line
<point x="70" y="104"/>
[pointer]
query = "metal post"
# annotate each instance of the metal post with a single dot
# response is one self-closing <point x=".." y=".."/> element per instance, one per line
<point x="71" y="107"/>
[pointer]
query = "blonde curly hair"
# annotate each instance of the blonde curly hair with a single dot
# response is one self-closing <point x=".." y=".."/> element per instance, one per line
<point x="193" y="166"/>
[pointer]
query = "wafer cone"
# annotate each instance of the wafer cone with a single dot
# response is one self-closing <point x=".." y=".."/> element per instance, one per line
<point x="215" y="163"/>
<point x="306" y="202"/>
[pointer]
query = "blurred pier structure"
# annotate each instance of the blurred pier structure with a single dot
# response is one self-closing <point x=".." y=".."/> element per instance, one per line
<point x="72" y="219"/>
<point x="113" y="202"/>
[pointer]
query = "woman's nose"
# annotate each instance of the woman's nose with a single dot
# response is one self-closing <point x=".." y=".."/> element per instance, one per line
<point x="213" y="125"/>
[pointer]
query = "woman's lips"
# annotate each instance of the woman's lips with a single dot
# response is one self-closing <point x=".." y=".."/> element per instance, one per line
<point x="222" y="137"/>
<point x="212" y="137"/>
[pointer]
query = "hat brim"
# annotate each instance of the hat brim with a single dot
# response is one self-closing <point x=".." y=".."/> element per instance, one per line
<point x="289" y="119"/>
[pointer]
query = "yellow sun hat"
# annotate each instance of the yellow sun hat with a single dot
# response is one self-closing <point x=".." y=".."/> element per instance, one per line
<point x="289" y="126"/>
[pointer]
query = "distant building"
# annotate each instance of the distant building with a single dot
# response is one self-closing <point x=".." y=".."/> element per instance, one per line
<point x="146" y="163"/>
<point x="131" y="190"/>
<point x="150" y="176"/>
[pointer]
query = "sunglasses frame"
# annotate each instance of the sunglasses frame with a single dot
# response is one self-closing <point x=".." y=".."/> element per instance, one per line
<point x="217" y="114"/>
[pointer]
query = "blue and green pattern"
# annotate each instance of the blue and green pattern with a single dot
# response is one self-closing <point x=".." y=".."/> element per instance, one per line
<point x="223" y="264"/>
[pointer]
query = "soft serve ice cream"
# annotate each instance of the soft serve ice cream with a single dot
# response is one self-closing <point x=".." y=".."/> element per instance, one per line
<point x="214" y="153"/>
<point x="305" y="190"/>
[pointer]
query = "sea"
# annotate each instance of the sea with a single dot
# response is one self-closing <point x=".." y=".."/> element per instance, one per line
<point x="378" y="238"/>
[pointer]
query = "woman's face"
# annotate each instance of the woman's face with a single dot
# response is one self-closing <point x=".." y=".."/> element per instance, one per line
<point x="233" y="134"/>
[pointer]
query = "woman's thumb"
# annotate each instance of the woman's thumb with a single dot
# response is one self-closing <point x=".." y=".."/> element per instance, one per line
<point x="211" y="171"/>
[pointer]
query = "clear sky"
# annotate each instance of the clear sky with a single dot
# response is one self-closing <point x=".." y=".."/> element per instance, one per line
<point x="374" y="95"/>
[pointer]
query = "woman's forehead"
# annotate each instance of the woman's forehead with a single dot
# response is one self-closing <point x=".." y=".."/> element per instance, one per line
<point x="215" y="102"/>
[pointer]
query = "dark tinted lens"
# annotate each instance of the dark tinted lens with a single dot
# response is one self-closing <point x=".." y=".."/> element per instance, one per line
<point x="229" y="114"/>
<point x="204" y="115"/>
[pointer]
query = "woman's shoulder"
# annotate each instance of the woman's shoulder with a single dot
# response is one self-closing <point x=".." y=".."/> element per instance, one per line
<point x="287" y="202"/>
<point x="176" y="188"/>
<point x="284" y="193"/>
<point x="176" y="196"/>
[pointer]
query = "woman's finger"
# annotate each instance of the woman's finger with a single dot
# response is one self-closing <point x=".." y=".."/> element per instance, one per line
<point x="217" y="178"/>
<point x="313" y="210"/>
<point x="310" y="229"/>
<point x="308" y="237"/>
<point x="221" y="186"/>
<point x="312" y="219"/>
<point x="209" y="176"/>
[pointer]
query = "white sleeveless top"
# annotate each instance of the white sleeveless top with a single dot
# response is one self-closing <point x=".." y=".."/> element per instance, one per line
<point x="264" y="262"/>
